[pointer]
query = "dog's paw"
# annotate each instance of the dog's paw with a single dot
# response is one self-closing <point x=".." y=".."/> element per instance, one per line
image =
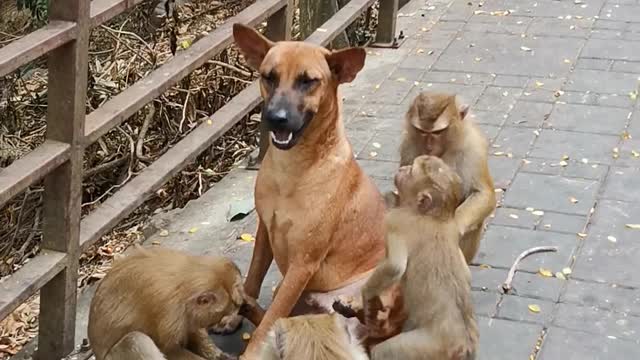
<point x="228" y="325"/>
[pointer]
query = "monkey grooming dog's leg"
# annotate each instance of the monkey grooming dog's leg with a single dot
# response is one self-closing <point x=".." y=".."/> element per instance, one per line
<point x="135" y="346"/>
<point x="412" y="345"/>
<point x="260" y="263"/>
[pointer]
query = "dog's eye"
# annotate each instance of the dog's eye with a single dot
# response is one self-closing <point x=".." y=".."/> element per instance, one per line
<point x="307" y="82"/>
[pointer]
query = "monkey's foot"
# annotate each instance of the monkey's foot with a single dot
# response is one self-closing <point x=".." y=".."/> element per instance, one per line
<point x="228" y="325"/>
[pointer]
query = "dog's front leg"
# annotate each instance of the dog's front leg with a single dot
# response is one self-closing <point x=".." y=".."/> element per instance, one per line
<point x="260" y="262"/>
<point x="291" y="288"/>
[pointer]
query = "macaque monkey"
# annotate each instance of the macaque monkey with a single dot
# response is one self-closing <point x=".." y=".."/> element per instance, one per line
<point x="158" y="304"/>
<point x="423" y="255"/>
<point x="436" y="125"/>
<point x="314" y="337"/>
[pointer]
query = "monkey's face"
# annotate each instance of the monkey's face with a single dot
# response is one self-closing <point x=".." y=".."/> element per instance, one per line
<point x="433" y="142"/>
<point x="224" y="297"/>
<point x="296" y="79"/>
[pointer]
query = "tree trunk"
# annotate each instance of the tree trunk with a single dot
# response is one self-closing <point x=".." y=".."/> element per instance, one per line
<point x="313" y="13"/>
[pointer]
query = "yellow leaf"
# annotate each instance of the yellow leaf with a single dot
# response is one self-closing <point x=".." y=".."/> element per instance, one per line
<point x="539" y="84"/>
<point x="635" y="153"/>
<point x="545" y="272"/>
<point x="567" y="271"/>
<point x="582" y="235"/>
<point x="246" y="336"/>
<point x="193" y="230"/>
<point x="567" y="61"/>
<point x="534" y="308"/>
<point x="612" y="238"/>
<point x="633" y="226"/>
<point x="373" y="154"/>
<point x="633" y="95"/>
<point x="560" y="276"/>
<point x="156" y="242"/>
<point x="164" y="232"/>
<point x="420" y="51"/>
<point x="563" y="163"/>
<point x="401" y="79"/>
<point x="376" y="145"/>
<point x="485" y="266"/>
<point x="538" y="213"/>
<point x="185" y="44"/>
<point x="247" y="237"/>
<point x="529" y="209"/>
<point x="377" y="86"/>
<point x="209" y="122"/>
<point x="573" y="200"/>
<point x="625" y="135"/>
<point x="513" y="216"/>
<point x="565" y="157"/>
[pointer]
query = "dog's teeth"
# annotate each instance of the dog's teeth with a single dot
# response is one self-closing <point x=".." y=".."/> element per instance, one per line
<point x="281" y="142"/>
<point x="290" y="137"/>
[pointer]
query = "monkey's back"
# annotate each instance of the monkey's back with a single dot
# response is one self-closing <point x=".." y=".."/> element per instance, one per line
<point x="437" y="284"/>
<point x="142" y="293"/>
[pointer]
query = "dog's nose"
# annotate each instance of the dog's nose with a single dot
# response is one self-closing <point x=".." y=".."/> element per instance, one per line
<point x="276" y="116"/>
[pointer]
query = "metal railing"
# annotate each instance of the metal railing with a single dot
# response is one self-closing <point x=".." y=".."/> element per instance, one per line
<point x="59" y="160"/>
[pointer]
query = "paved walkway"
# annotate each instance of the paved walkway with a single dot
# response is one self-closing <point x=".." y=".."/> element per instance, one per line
<point x="553" y="84"/>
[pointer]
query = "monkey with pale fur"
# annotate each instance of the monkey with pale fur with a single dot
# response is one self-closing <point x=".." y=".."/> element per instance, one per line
<point x="157" y="304"/>
<point x="423" y="255"/>
<point x="436" y="124"/>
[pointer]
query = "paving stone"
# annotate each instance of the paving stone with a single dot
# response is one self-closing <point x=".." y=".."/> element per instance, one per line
<point x="448" y="25"/>
<point x="622" y="184"/>
<point x="494" y="118"/>
<point x="516" y="340"/>
<point x="510" y="81"/>
<point x="458" y="11"/>
<point x="536" y="286"/>
<point x="514" y="140"/>
<point x="611" y="49"/>
<point x="610" y="247"/>
<point x="498" y="24"/>
<point x="629" y="153"/>
<point x="517" y="309"/>
<point x="437" y="39"/>
<point x="560" y="27"/>
<point x="490" y="131"/>
<point x="377" y="124"/>
<point x="546" y="56"/>
<point x="501" y="245"/>
<point x="421" y="58"/>
<point x="379" y="169"/>
<point x="449" y="77"/>
<point x="406" y="74"/>
<point x="604" y="82"/>
<point x="589" y="118"/>
<point x="466" y="93"/>
<point x="391" y="91"/>
<point x="541" y="166"/>
<point x="622" y="13"/>
<point x="585" y="171"/>
<point x="515" y="217"/>
<point x="597" y="321"/>
<point x="605" y="296"/>
<point x="610" y="24"/>
<point x="349" y="110"/>
<point x="558" y="222"/>
<point x="528" y="114"/>
<point x="546" y="8"/>
<point x="619" y="100"/>
<point x="502" y="170"/>
<point x="626" y="66"/>
<point x="484" y="303"/>
<point x="554" y="144"/>
<point x="498" y="99"/>
<point x="359" y="139"/>
<point x="593" y="64"/>
<point x="552" y="193"/>
<point x="487" y="279"/>
<point x="603" y="34"/>
<point x="383" y="111"/>
<point x="384" y="146"/>
<point x="575" y="345"/>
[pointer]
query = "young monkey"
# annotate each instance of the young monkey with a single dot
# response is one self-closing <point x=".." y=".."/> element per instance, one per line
<point x="314" y="337"/>
<point x="157" y="304"/>
<point x="423" y="255"/>
<point x="436" y="125"/>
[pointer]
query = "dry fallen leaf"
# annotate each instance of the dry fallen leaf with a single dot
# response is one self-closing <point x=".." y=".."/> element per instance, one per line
<point x="534" y="308"/>
<point x="529" y="209"/>
<point x="209" y="122"/>
<point x="247" y="237"/>
<point x="155" y="242"/>
<point x="635" y="153"/>
<point x="376" y="145"/>
<point x="545" y="272"/>
<point x="538" y="213"/>
<point x="612" y="239"/>
<point x="633" y="226"/>
<point x="567" y="271"/>
<point x="193" y="230"/>
<point x="565" y="157"/>
<point x="246" y="336"/>
<point x="485" y="266"/>
<point x="573" y="200"/>
<point x="633" y="95"/>
<point x="524" y="48"/>
<point x="513" y="216"/>
<point x="163" y="232"/>
<point x="561" y="276"/>
<point x="582" y="235"/>
<point x="373" y="154"/>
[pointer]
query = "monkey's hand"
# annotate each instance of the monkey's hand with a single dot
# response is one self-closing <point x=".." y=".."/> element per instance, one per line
<point x="252" y="311"/>
<point x="349" y="309"/>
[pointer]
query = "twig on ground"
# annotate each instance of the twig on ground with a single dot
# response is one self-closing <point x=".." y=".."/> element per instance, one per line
<point x="143" y="132"/>
<point x="506" y="287"/>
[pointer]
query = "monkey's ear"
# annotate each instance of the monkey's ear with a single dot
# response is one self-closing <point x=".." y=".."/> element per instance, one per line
<point x="206" y="298"/>
<point x="253" y="45"/>
<point x="425" y="201"/>
<point x="346" y="64"/>
<point x="464" y="110"/>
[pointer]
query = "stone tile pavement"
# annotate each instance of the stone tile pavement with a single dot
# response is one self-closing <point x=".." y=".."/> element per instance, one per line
<point x="553" y="84"/>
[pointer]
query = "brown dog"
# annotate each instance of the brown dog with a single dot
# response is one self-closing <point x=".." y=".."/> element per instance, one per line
<point x="320" y="216"/>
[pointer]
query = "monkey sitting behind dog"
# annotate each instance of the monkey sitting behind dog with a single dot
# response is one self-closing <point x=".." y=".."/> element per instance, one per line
<point x="158" y="303"/>
<point x="314" y="337"/>
<point x="436" y="125"/>
<point x="424" y="256"/>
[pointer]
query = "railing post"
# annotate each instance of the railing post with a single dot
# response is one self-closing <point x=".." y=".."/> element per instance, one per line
<point x="67" y="89"/>
<point x="278" y="28"/>
<point x="386" y="32"/>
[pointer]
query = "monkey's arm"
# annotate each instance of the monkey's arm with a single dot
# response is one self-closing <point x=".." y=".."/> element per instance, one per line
<point x="389" y="271"/>
<point x="478" y="205"/>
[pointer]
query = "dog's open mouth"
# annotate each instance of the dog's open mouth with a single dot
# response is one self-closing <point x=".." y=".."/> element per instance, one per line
<point x="281" y="137"/>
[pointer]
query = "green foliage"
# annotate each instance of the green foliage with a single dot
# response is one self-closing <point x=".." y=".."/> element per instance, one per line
<point x="38" y="8"/>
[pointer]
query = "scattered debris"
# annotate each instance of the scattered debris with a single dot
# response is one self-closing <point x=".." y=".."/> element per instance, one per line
<point x="506" y="286"/>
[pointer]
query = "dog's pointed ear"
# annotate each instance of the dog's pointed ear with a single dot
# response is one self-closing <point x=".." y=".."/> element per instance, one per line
<point x="253" y="45"/>
<point x="345" y="64"/>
